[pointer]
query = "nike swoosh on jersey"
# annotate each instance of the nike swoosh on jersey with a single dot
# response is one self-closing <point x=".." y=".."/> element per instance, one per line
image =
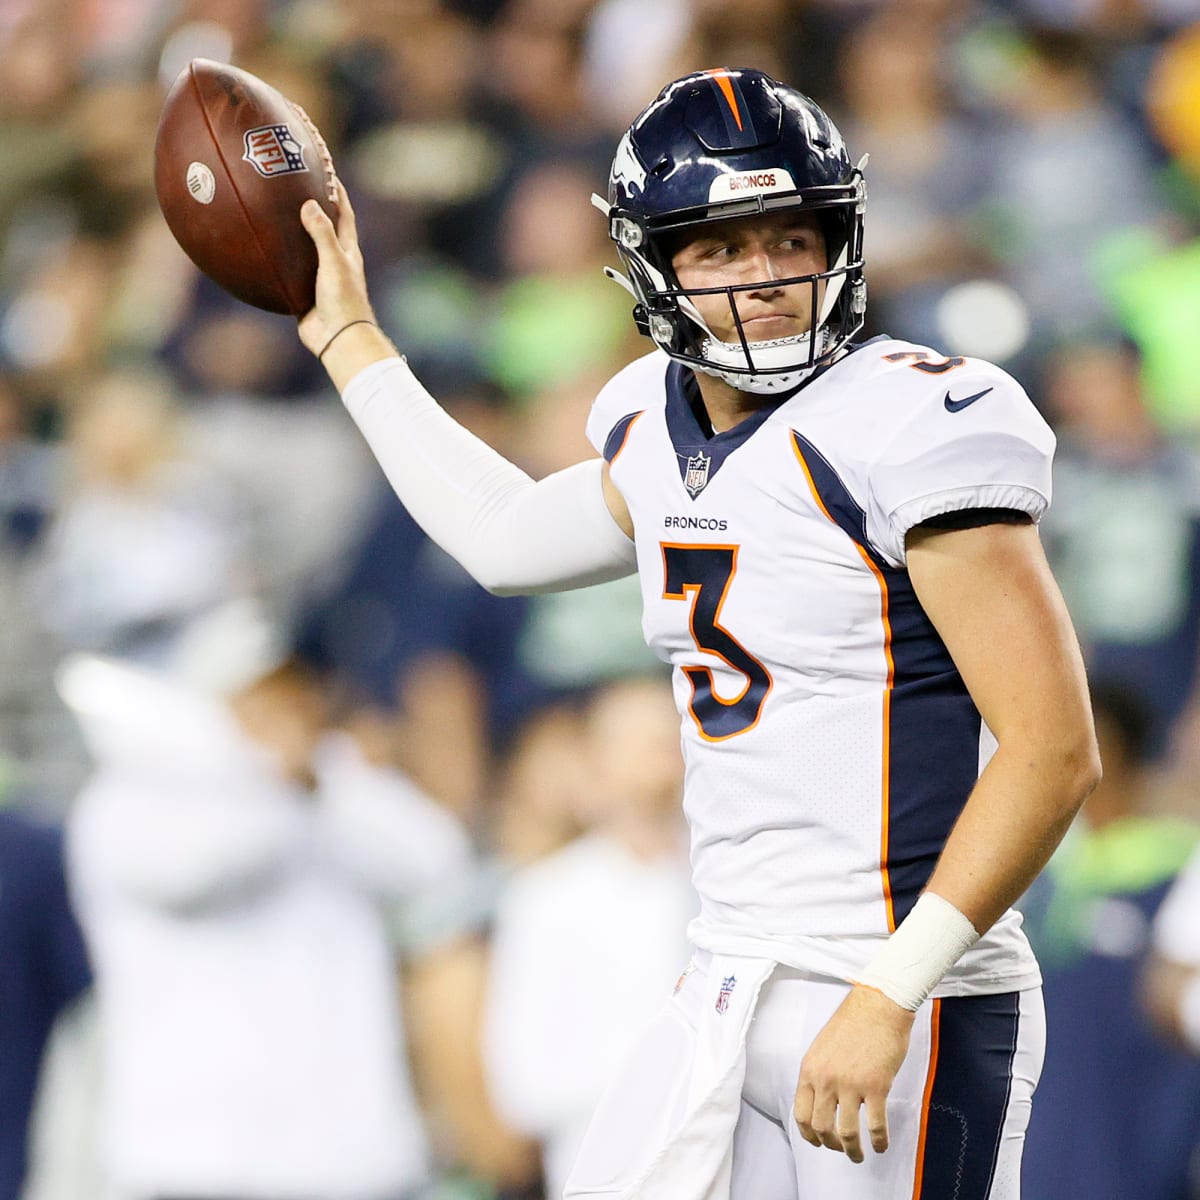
<point x="959" y="405"/>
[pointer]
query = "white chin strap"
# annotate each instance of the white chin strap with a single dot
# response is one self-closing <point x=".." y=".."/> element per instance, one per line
<point x="727" y="361"/>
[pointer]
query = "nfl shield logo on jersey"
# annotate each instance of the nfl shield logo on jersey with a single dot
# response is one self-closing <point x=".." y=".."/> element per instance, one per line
<point x="273" y="150"/>
<point x="696" y="479"/>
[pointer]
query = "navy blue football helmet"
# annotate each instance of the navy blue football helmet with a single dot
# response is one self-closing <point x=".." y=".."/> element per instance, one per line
<point x="718" y="145"/>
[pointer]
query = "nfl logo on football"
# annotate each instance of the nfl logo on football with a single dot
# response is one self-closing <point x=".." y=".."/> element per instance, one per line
<point x="727" y="986"/>
<point x="696" y="478"/>
<point x="273" y="150"/>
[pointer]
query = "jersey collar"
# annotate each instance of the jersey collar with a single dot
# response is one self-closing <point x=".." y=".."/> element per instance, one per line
<point x="699" y="452"/>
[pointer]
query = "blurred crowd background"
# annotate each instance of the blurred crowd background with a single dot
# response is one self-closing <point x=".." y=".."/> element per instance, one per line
<point x="325" y="875"/>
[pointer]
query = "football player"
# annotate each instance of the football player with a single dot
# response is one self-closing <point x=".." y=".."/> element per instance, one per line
<point x="883" y="707"/>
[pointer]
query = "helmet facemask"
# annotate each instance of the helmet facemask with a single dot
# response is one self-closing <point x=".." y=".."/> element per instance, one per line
<point x="666" y="313"/>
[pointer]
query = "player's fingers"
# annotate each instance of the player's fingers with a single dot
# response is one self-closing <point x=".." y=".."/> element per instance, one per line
<point x="347" y="226"/>
<point x="802" y="1111"/>
<point x="848" y="1130"/>
<point x="877" y="1124"/>
<point x="824" y="1120"/>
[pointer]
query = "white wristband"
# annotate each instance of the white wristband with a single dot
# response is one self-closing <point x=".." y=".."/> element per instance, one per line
<point x="926" y="944"/>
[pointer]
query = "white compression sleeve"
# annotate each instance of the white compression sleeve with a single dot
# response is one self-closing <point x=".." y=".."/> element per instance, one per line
<point x="511" y="533"/>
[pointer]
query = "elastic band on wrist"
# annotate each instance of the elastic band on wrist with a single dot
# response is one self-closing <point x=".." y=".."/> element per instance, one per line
<point x="338" y="334"/>
<point x="926" y="944"/>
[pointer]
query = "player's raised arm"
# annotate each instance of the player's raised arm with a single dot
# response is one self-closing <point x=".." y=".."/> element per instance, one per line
<point x="511" y="533"/>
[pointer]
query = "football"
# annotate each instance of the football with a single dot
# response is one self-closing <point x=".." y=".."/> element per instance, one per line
<point x="233" y="162"/>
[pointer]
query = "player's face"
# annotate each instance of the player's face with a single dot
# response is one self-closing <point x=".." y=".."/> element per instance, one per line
<point x="754" y="250"/>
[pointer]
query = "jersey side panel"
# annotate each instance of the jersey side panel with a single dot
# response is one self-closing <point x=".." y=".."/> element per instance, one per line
<point x="931" y="726"/>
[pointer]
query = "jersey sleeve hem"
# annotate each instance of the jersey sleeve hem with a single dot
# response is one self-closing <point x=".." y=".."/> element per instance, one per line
<point x="997" y="495"/>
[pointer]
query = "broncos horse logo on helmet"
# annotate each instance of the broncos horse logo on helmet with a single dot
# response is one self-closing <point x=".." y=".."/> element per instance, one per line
<point x="717" y="145"/>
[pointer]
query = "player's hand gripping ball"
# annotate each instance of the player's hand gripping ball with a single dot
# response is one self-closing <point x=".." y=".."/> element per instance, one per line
<point x="233" y="162"/>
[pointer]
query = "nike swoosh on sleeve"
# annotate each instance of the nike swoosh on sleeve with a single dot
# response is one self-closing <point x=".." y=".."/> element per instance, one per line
<point x="959" y="405"/>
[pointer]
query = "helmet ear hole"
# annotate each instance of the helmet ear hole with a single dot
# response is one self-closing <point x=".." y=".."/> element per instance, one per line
<point x="835" y="233"/>
<point x="669" y="243"/>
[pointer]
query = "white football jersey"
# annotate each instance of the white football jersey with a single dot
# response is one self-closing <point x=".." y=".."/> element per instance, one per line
<point x="829" y="740"/>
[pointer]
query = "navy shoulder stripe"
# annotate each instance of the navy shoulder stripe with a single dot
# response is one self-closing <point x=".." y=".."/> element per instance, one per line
<point x="933" y="726"/>
<point x="835" y="496"/>
<point x="615" y="442"/>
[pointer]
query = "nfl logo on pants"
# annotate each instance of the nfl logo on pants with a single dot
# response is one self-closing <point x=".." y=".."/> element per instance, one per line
<point x="727" y="986"/>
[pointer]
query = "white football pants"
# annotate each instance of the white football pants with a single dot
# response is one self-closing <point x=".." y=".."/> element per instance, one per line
<point x="957" y="1112"/>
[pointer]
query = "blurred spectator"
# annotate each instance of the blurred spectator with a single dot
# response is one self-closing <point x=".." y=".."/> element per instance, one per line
<point x="1172" y="981"/>
<point x="40" y="74"/>
<point x="299" y="474"/>
<point x="571" y="641"/>
<point x="1067" y="171"/>
<point x="145" y="541"/>
<point x="235" y="866"/>
<point x="558" y="318"/>
<point x="894" y="76"/>
<point x="413" y="630"/>
<point x="1123" y="533"/>
<point x="416" y="146"/>
<point x="540" y="782"/>
<point x="482" y="1155"/>
<point x="38" y="741"/>
<point x="43" y="968"/>
<point x="588" y="939"/>
<point x="780" y="37"/>
<point x="629" y="49"/>
<point x="536" y="74"/>
<point x="1153" y="277"/>
<point x="1172" y="990"/>
<point x="1118" y="1110"/>
<point x="410" y="627"/>
<point x="1173" y="98"/>
<point x="532" y="812"/>
<point x="1154" y="287"/>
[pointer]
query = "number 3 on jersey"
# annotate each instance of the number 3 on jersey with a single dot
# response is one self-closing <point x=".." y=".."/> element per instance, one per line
<point x="702" y="574"/>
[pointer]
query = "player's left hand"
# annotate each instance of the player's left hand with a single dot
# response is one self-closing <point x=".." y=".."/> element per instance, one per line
<point x="851" y="1065"/>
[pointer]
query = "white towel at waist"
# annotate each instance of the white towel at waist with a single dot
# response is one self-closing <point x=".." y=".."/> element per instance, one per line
<point x="696" y="1161"/>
